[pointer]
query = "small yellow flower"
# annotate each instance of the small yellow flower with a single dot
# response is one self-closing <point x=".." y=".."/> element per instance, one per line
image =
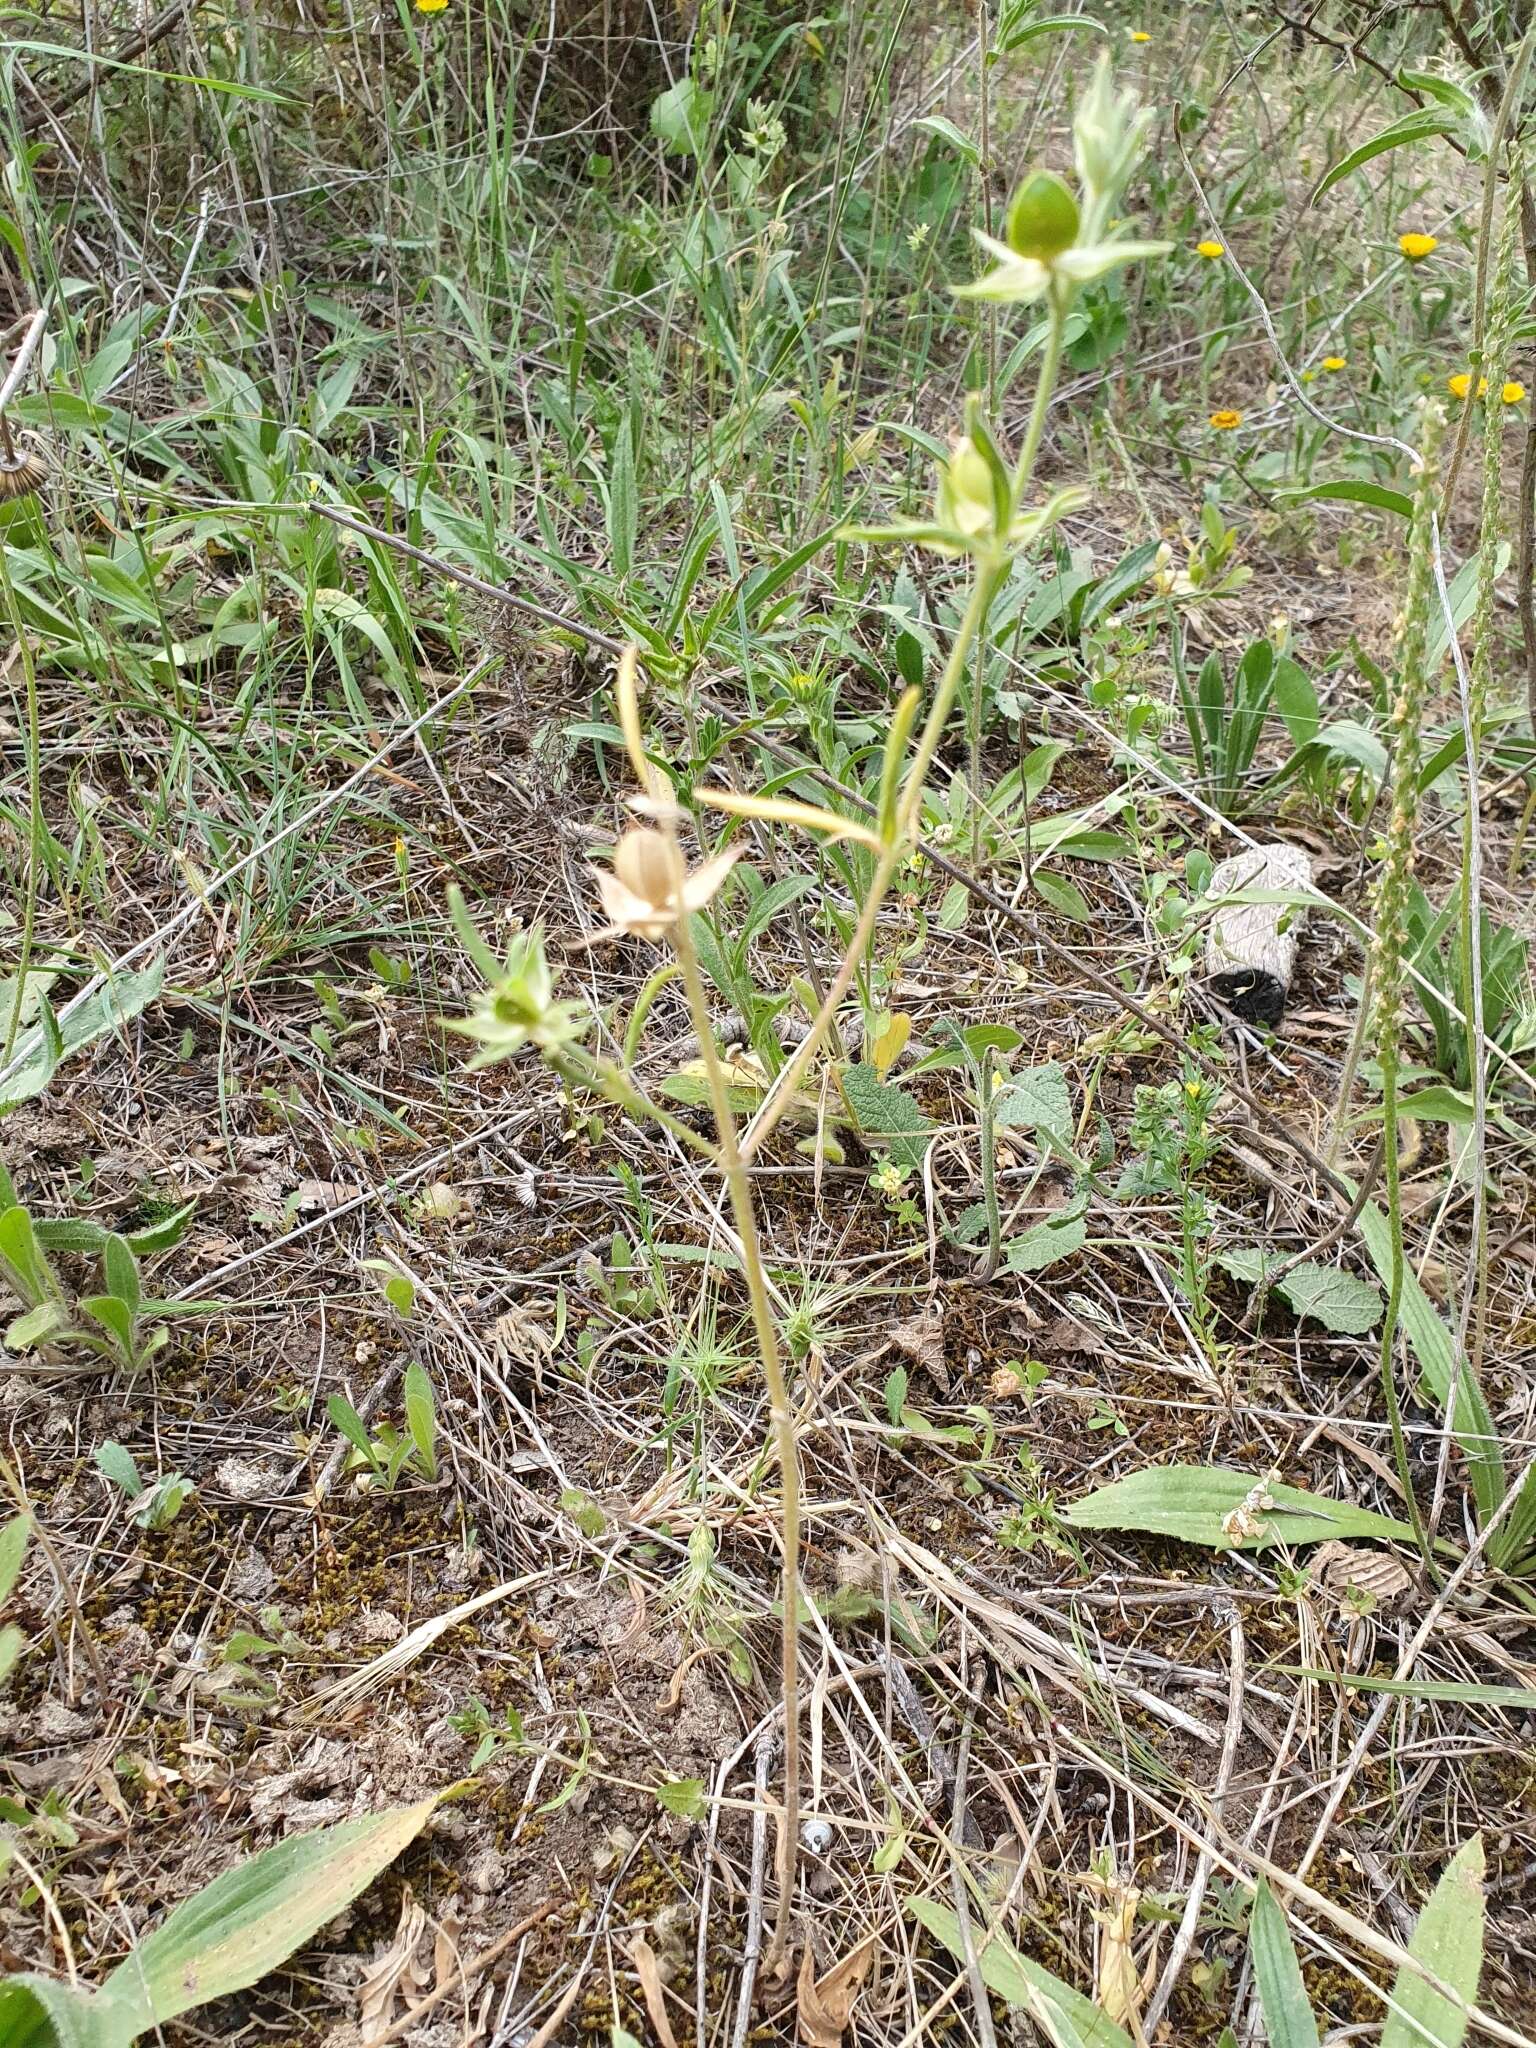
<point x="1139" y="35"/>
<point x="1461" y="384"/>
<point x="430" y="6"/>
<point x="1512" y="392"/>
<point x="1416" y="247"/>
<point x="1334" y="362"/>
<point x="1210" y="250"/>
<point x="1225" y="420"/>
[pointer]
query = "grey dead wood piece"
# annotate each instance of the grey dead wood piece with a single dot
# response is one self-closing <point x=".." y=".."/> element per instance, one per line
<point x="1250" y="951"/>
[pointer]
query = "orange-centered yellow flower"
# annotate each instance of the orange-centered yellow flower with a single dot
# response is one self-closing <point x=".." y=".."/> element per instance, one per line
<point x="1512" y="392"/>
<point x="1225" y="420"/>
<point x="1210" y="250"/>
<point x="1416" y="247"/>
<point x="1461" y="384"/>
<point x="1334" y="362"/>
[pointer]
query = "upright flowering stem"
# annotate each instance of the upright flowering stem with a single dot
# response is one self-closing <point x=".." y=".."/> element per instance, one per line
<point x="781" y="1421"/>
<point x="1393" y="887"/>
<point x="782" y="1093"/>
<point x="1497" y="326"/>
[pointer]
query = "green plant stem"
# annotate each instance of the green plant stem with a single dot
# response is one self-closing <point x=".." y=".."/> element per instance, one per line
<point x="1392" y="1187"/>
<point x="35" y="828"/>
<point x="1045" y="386"/>
<point x="608" y="1078"/>
<point x="987" y="1119"/>
<point x="978" y="708"/>
<point x="781" y="1420"/>
<point x="779" y="1097"/>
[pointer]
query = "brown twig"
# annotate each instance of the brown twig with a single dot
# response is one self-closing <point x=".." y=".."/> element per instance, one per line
<point x="477" y="1967"/>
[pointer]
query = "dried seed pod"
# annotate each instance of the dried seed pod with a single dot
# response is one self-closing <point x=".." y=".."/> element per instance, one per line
<point x="22" y="472"/>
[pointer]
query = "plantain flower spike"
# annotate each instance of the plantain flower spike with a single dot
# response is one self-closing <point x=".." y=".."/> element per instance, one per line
<point x="650" y="887"/>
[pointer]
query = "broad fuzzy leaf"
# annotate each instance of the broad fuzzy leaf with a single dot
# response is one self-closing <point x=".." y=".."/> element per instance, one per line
<point x="1338" y="1299"/>
<point x="1034" y="1100"/>
<point x="1045" y="1244"/>
<point x="37" y="2012"/>
<point x="887" y="1114"/>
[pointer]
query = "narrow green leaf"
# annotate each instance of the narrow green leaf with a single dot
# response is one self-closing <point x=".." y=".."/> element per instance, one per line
<point x="1472" y="1424"/>
<point x="116" y="1464"/>
<point x="121" y="1270"/>
<point x="1349" y="491"/>
<point x="1015" y="38"/>
<point x="421" y="1417"/>
<point x="1418" y="126"/>
<point x="1021" y="1982"/>
<point x="1518" y="1699"/>
<point x="13" y="1548"/>
<point x="12" y="1643"/>
<point x="344" y="1416"/>
<point x="38" y="1326"/>
<point x="1288" y="2019"/>
<point x="946" y="131"/>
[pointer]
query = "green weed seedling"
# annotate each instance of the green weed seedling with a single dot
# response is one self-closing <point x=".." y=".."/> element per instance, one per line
<point x="1225" y="717"/>
<point x="115" y="1325"/>
<point x="384" y="1457"/>
<point x="149" y="1507"/>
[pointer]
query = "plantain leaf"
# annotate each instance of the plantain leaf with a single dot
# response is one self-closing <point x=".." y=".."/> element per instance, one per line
<point x="1193" y="1503"/>
<point x="1448" y="1941"/>
<point x="255" y="1916"/>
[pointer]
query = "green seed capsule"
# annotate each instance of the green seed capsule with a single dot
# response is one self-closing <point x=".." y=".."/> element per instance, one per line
<point x="1042" y="217"/>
